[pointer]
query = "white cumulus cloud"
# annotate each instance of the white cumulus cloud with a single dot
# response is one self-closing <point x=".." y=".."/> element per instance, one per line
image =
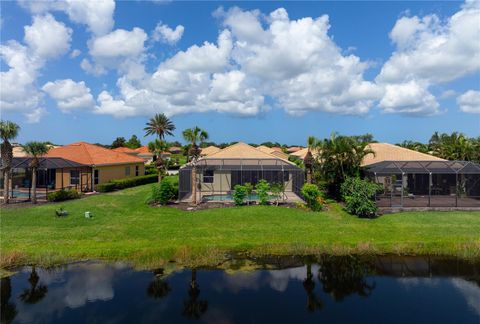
<point x="469" y="102"/>
<point x="70" y="95"/>
<point x="163" y="33"/>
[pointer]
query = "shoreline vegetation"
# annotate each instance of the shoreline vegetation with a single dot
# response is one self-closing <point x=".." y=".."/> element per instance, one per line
<point x="124" y="228"/>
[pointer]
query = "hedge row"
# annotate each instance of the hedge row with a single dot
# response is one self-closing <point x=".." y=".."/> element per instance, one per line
<point x="126" y="183"/>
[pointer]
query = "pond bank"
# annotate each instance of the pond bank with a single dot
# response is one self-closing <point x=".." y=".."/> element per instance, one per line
<point x="124" y="228"/>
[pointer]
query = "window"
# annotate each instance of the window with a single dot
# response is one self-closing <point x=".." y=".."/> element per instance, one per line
<point x="74" y="177"/>
<point x="208" y="176"/>
<point x="127" y="170"/>
<point x="95" y="176"/>
<point x="136" y="170"/>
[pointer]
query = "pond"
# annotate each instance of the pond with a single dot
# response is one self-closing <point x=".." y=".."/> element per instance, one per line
<point x="275" y="290"/>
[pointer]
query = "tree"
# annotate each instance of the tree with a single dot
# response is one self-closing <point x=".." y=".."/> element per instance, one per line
<point x="133" y="142"/>
<point x="8" y="310"/>
<point x="195" y="136"/>
<point x="8" y="132"/>
<point x="118" y="142"/>
<point x="35" y="150"/>
<point x="309" y="160"/>
<point x="455" y="146"/>
<point x="157" y="147"/>
<point x="341" y="157"/>
<point x="313" y="303"/>
<point x="36" y="292"/>
<point x="160" y="126"/>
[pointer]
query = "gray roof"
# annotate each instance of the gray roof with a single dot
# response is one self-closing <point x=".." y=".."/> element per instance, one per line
<point x="46" y="163"/>
<point x="445" y="167"/>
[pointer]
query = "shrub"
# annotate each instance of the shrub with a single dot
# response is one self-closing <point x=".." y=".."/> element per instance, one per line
<point x="162" y="193"/>
<point x="105" y="187"/>
<point x="312" y="196"/>
<point x="277" y="189"/>
<point x="359" y="197"/>
<point x="262" y="189"/>
<point x="239" y="195"/>
<point x="150" y="169"/>
<point x="63" y="195"/>
<point x="126" y="183"/>
<point x="249" y="187"/>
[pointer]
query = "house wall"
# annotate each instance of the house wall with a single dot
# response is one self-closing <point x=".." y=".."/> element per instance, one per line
<point x="115" y="172"/>
<point x="85" y="178"/>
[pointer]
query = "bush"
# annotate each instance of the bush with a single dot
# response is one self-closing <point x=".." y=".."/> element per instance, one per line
<point x="359" y="197"/>
<point x="249" y="188"/>
<point x="150" y="169"/>
<point x="105" y="187"/>
<point x="126" y="183"/>
<point x="262" y="189"/>
<point x="63" y="195"/>
<point x="312" y="196"/>
<point x="239" y="195"/>
<point x="162" y="193"/>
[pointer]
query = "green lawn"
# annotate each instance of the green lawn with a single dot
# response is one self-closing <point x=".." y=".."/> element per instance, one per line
<point x="124" y="228"/>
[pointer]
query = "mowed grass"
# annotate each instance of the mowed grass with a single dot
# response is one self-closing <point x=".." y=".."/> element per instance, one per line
<point x="125" y="228"/>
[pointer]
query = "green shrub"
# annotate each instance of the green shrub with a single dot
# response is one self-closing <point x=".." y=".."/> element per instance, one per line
<point x="312" y="196"/>
<point x="126" y="183"/>
<point x="277" y="190"/>
<point x="162" y="193"/>
<point x="249" y="188"/>
<point x="359" y="197"/>
<point x="262" y="189"/>
<point x="150" y="169"/>
<point x="239" y="195"/>
<point x="105" y="187"/>
<point x="63" y="195"/>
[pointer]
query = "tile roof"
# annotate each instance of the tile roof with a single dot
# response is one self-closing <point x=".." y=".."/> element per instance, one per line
<point x="303" y="152"/>
<point x="209" y="150"/>
<point x="390" y="152"/>
<point x="276" y="151"/>
<point x="86" y="153"/>
<point x="242" y="151"/>
<point x="124" y="150"/>
<point x="293" y="149"/>
<point x="143" y="150"/>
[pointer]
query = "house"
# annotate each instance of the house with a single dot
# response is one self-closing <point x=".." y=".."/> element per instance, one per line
<point x="300" y="154"/>
<point x="125" y="150"/>
<point x="175" y="150"/>
<point x="102" y="165"/>
<point x="277" y="151"/>
<point x="217" y="174"/>
<point x="293" y="149"/>
<point x="144" y="153"/>
<point x="209" y="150"/>
<point x="412" y="179"/>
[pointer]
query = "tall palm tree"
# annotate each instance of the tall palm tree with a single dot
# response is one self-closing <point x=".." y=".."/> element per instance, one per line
<point x="157" y="147"/>
<point x="313" y="303"/>
<point x="159" y="125"/>
<point x="193" y="307"/>
<point x="195" y="136"/>
<point x="309" y="160"/>
<point x="35" y="150"/>
<point x="8" y="131"/>
<point x="158" y="288"/>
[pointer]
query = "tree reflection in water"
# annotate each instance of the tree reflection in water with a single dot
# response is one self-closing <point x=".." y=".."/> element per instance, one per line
<point x="8" y="310"/>
<point x="313" y="303"/>
<point x="158" y="288"/>
<point x="193" y="307"/>
<point x="346" y="275"/>
<point x="36" y="292"/>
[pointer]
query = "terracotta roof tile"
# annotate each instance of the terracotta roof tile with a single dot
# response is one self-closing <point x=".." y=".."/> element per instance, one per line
<point x="209" y="150"/>
<point x="390" y="152"/>
<point x="90" y="154"/>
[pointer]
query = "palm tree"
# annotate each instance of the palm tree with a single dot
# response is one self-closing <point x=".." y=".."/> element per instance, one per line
<point x="8" y="131"/>
<point x="195" y="136"/>
<point x="309" y="160"/>
<point x="157" y="147"/>
<point x="35" y="150"/>
<point x="313" y="303"/>
<point x="160" y="125"/>
<point x="158" y="288"/>
<point x="342" y="157"/>
<point x="8" y="310"/>
<point x="36" y="292"/>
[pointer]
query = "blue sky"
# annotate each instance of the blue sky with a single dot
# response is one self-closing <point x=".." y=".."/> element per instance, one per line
<point x="278" y="71"/>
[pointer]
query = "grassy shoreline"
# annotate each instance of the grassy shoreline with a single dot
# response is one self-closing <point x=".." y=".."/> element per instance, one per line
<point x="125" y="229"/>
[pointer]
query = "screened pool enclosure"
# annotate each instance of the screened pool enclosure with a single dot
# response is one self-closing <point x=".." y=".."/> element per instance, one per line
<point x="215" y="179"/>
<point x="426" y="183"/>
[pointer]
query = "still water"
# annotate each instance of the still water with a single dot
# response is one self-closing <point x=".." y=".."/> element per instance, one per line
<point x="288" y="290"/>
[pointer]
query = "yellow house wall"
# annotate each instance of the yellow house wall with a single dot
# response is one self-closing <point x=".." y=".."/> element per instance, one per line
<point x="115" y="172"/>
<point x="85" y="178"/>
